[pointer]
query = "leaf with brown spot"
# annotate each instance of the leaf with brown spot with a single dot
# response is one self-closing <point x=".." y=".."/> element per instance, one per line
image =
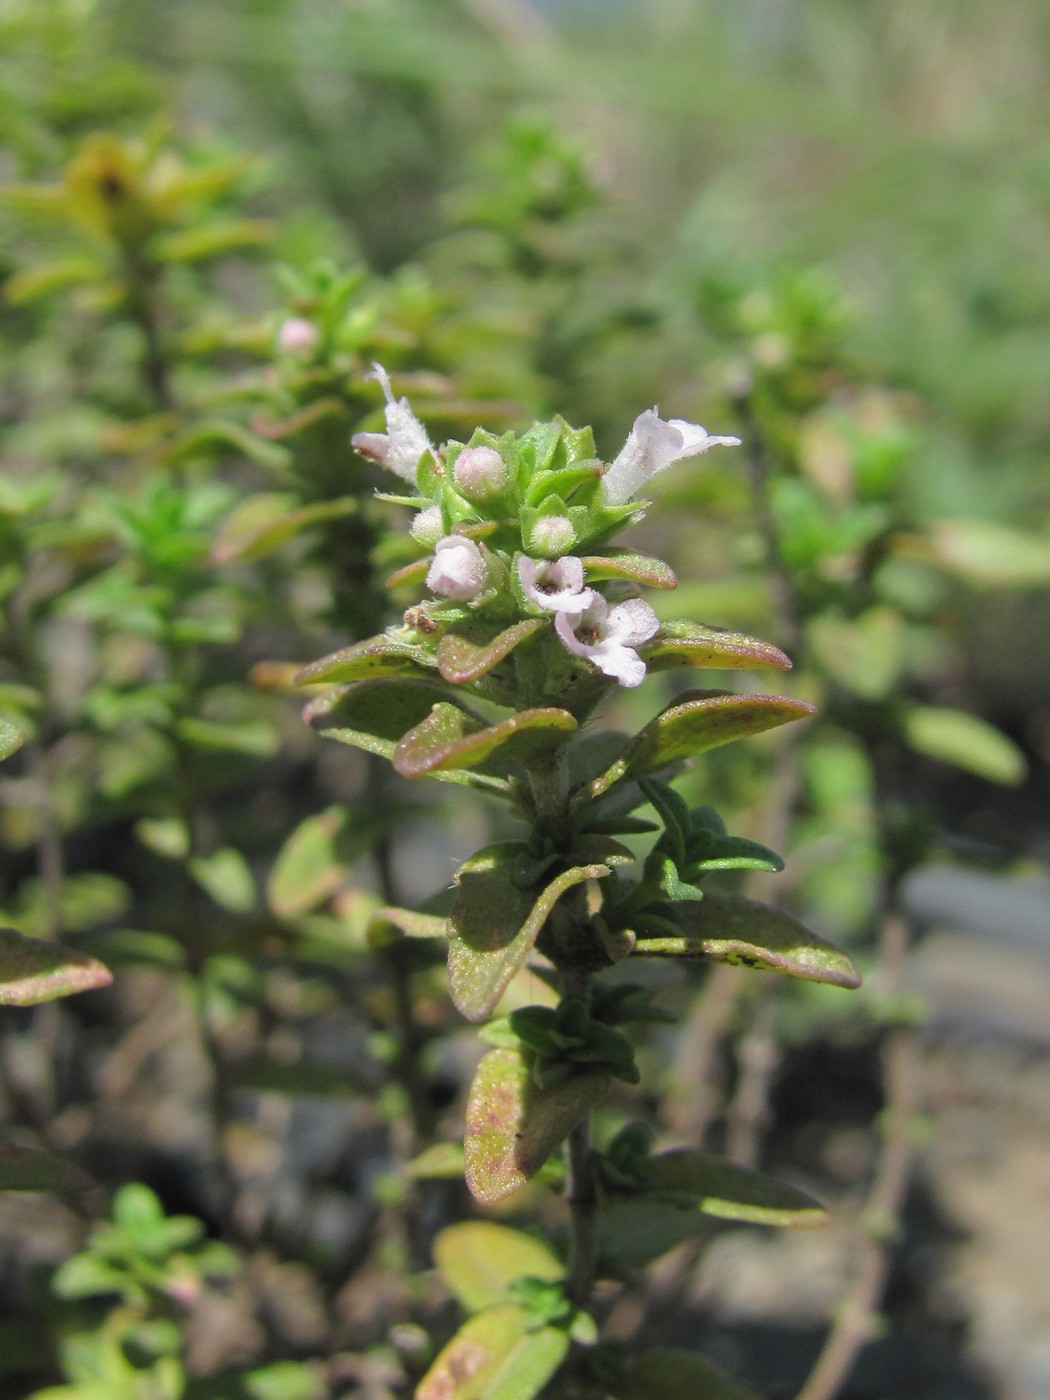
<point x="494" y="1356"/>
<point x="731" y="929"/>
<point x="378" y="656"/>
<point x="513" y="1127"/>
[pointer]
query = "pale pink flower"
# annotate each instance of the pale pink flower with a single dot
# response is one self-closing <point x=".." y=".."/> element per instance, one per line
<point x="405" y="440"/>
<point x="607" y="636"/>
<point x="556" y="585"/>
<point x="480" y="472"/>
<point x="298" y="336"/>
<point x="652" y="445"/>
<point x="457" y="570"/>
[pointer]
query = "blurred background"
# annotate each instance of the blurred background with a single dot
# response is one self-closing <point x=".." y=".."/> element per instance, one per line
<point x="823" y="226"/>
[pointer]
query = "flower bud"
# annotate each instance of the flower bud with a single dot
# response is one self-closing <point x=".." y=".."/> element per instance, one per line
<point x="551" y="537"/>
<point x="480" y="473"/>
<point x="427" y="527"/>
<point x="299" y="337"/>
<point x="458" y="569"/>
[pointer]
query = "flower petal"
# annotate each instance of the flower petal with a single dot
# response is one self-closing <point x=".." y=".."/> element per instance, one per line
<point x="652" y="445"/>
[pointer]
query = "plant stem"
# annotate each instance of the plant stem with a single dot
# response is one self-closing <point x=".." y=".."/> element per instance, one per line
<point x="855" y="1323"/>
<point x="581" y="1194"/>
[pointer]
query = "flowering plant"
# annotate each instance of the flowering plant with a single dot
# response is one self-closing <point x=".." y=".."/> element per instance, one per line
<point x="487" y="683"/>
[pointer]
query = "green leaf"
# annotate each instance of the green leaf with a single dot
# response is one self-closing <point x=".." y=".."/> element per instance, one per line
<point x="513" y="1126"/>
<point x="27" y="1169"/>
<point x="864" y="654"/>
<point x="463" y="658"/>
<point x="449" y="738"/>
<point x="408" y="922"/>
<point x="11" y="739"/>
<point x="253" y="738"/>
<point x="33" y="970"/>
<point x="494" y="923"/>
<point x="311" y="865"/>
<point x="227" y="878"/>
<point x="630" y="565"/>
<point x="987" y="554"/>
<point x="286" y="1380"/>
<point x="731" y="929"/>
<point x="494" y="1356"/>
<point x="442" y="1161"/>
<point x="262" y="524"/>
<point x="213" y="240"/>
<point x="701" y="720"/>
<point x="691" y="644"/>
<point x="45" y="278"/>
<point x="669" y="1371"/>
<point x="479" y="1261"/>
<point x="373" y="715"/>
<point x="379" y="656"/>
<point x="714" y="1186"/>
<point x="966" y="741"/>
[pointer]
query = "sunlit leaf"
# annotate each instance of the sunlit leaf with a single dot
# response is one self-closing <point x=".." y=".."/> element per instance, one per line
<point x="731" y="929"/>
<point x="495" y="923"/>
<point x="513" y="1127"/>
<point x="699" y="721"/>
<point x="11" y="739"/>
<point x="630" y="565"/>
<point x="479" y="1260"/>
<point x="967" y="741"/>
<point x="34" y="970"/>
<point x="680" y="644"/>
<point x="449" y="739"/>
<point x="464" y="658"/>
<point x="494" y="1356"/>
<point x="379" y="656"/>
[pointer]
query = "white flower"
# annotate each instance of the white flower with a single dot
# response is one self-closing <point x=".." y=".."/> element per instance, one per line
<point x="556" y="585"/>
<point x="457" y="570"/>
<point x="652" y="445"/>
<point x="607" y="636"/>
<point x="298" y="337"/>
<point x="405" y="439"/>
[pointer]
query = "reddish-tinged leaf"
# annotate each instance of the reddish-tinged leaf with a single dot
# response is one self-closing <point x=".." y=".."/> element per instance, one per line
<point x="699" y="721"/>
<point x="449" y="738"/>
<point x="689" y="644"/>
<point x="513" y="1127"/>
<point x="461" y="659"/>
<point x="634" y="567"/>
<point x="373" y="715"/>
<point x="495" y="1356"/>
<point x="378" y="656"/>
<point x="32" y="970"/>
<point x="728" y="928"/>
<point x="494" y="924"/>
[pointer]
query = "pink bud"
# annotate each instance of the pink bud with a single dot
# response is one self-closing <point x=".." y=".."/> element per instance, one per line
<point x="299" y="337"/>
<point x="480" y="472"/>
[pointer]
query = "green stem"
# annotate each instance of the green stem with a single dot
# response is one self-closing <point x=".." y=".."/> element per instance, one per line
<point x="581" y="1194"/>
